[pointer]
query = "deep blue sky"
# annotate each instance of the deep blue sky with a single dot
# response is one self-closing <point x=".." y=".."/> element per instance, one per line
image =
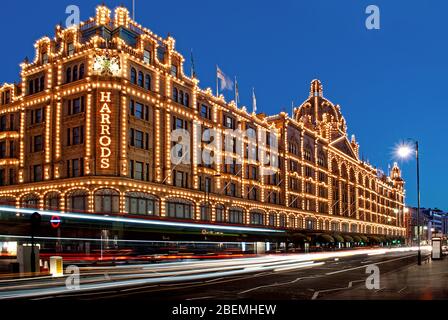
<point x="390" y="83"/>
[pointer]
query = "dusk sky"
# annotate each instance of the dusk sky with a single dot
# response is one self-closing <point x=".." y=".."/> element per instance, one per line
<point x="390" y="83"/>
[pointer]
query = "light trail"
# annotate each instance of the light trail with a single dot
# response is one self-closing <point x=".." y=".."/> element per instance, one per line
<point x="122" y="277"/>
<point x="94" y="217"/>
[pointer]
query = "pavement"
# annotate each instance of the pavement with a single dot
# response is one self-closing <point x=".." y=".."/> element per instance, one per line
<point x="426" y="282"/>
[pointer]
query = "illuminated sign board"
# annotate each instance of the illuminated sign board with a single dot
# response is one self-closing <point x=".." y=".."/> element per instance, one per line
<point x="105" y="127"/>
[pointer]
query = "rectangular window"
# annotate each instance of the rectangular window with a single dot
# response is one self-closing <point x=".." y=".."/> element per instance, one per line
<point x="12" y="149"/>
<point x="11" y="122"/>
<point x="131" y="168"/>
<point x="146" y="56"/>
<point x="231" y="190"/>
<point x="3" y="123"/>
<point x="174" y="70"/>
<point x="76" y="106"/>
<point x="78" y="135"/>
<point x="2" y="177"/>
<point x="205" y="112"/>
<point x="161" y="54"/>
<point x="180" y="179"/>
<point x="76" y="172"/>
<point x="137" y="138"/>
<point x="180" y="124"/>
<point x="44" y="59"/>
<point x="37" y="116"/>
<point x="37" y="173"/>
<point x="37" y="143"/>
<point x="138" y="111"/>
<point x="229" y="122"/>
<point x="3" y="149"/>
<point x="138" y="170"/>
<point x="70" y="48"/>
<point x="11" y="176"/>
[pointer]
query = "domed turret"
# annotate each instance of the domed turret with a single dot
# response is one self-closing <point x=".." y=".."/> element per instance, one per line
<point x="317" y="110"/>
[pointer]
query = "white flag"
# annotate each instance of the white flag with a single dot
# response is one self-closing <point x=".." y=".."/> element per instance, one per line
<point x="237" y="93"/>
<point x="254" y="101"/>
<point x="226" y="83"/>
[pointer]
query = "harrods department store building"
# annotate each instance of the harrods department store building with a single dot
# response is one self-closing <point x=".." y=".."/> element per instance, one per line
<point x="88" y="128"/>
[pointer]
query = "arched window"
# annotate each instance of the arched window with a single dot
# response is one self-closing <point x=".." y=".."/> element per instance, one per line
<point x="8" y="201"/>
<point x="205" y="212"/>
<point x="310" y="224"/>
<point x="236" y="216"/>
<point x="180" y="209"/>
<point x="30" y="87"/>
<point x="36" y="85"/>
<point x="68" y="75"/>
<point x="107" y="201"/>
<point x="335" y="226"/>
<point x="77" y="200"/>
<point x="352" y="175"/>
<point x="181" y="97"/>
<point x="30" y="201"/>
<point x="186" y="100"/>
<point x="141" y="203"/>
<point x="220" y="210"/>
<point x="321" y="159"/>
<point x="75" y="73"/>
<point x="271" y="221"/>
<point x="148" y="82"/>
<point x="345" y="227"/>
<point x="299" y="224"/>
<point x="335" y="167"/>
<point x="52" y="200"/>
<point x="140" y="79"/>
<point x="175" y="95"/>
<point x="282" y="221"/>
<point x="133" y="76"/>
<point x="81" y="71"/>
<point x="344" y="173"/>
<point x="291" y="222"/>
<point x="307" y="153"/>
<point x="257" y="218"/>
<point x="42" y="83"/>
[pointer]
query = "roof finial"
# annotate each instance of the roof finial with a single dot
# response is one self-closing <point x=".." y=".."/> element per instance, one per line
<point x="316" y="89"/>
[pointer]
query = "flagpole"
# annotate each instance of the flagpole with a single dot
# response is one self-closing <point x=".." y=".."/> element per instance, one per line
<point x="236" y="92"/>
<point x="133" y="10"/>
<point x="193" y="73"/>
<point x="217" y="83"/>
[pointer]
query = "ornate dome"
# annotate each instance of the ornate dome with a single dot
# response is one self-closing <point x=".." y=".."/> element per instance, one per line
<point x="317" y="110"/>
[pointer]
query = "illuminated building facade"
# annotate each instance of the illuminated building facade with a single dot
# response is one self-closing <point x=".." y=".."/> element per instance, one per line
<point x="89" y="129"/>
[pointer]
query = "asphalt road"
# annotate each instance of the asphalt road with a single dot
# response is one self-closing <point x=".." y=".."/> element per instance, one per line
<point x="285" y="277"/>
<point x="318" y="282"/>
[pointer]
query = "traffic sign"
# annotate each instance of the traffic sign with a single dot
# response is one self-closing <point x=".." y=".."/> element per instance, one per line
<point x="55" y="221"/>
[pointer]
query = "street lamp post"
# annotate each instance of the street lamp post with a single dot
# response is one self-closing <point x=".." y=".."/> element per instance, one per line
<point x="419" y="254"/>
<point x="404" y="151"/>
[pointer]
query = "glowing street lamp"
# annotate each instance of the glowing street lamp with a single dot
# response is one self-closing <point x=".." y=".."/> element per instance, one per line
<point x="404" y="151"/>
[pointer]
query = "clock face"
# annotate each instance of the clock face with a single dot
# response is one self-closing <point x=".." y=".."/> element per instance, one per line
<point x="106" y="66"/>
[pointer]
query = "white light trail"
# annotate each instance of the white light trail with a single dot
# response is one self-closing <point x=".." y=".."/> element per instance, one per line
<point x="95" y="217"/>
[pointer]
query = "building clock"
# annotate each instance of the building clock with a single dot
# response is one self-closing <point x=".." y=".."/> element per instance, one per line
<point x="106" y="66"/>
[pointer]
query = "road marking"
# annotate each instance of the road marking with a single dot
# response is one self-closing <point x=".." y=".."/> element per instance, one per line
<point x="279" y="284"/>
<point x="350" y="284"/>
<point x="363" y="267"/>
<point x="200" y="298"/>
<point x="402" y="289"/>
